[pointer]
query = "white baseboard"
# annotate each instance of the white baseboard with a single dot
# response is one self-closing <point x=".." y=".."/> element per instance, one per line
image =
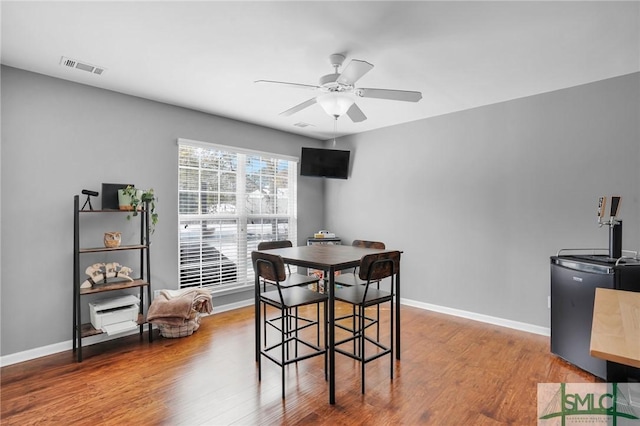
<point x="522" y="326"/>
<point x="35" y="353"/>
<point x="231" y="306"/>
<point x="67" y="345"/>
<point x="57" y="347"/>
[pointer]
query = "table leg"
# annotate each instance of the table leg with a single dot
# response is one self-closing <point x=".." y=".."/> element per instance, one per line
<point x="332" y="337"/>
<point x="398" y="315"/>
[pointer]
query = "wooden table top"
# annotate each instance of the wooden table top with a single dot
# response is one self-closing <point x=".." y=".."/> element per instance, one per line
<point x="320" y="256"/>
<point x="615" y="333"/>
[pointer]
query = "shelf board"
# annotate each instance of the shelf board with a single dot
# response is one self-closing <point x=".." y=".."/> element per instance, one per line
<point x="116" y="285"/>
<point x="109" y="211"/>
<point x="99" y="249"/>
<point x="87" y="330"/>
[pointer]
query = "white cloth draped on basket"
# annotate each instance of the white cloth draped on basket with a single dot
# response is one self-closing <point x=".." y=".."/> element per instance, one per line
<point x="176" y="313"/>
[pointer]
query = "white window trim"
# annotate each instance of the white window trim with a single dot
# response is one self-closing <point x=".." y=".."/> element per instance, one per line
<point x="211" y="145"/>
<point x="243" y="265"/>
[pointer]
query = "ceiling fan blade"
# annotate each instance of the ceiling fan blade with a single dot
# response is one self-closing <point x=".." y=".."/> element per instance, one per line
<point x="298" y="107"/>
<point x="355" y="114"/>
<point x="292" y="85"/>
<point x="354" y="71"/>
<point x="394" y="95"/>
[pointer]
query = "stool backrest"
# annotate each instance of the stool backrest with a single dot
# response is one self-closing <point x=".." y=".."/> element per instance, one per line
<point x="368" y="244"/>
<point x="374" y="267"/>
<point x="268" y="245"/>
<point x="268" y="266"/>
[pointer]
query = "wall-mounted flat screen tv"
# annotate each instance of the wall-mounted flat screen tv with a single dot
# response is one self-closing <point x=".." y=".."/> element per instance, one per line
<point x="329" y="163"/>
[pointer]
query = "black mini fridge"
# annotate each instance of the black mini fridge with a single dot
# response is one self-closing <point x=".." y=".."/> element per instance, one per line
<point x="574" y="279"/>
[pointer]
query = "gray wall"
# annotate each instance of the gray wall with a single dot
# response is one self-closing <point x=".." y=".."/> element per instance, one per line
<point x="59" y="138"/>
<point x="479" y="200"/>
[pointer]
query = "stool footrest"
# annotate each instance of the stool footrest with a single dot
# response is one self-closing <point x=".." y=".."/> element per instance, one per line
<point x="308" y="323"/>
<point x="317" y="351"/>
<point x="385" y="349"/>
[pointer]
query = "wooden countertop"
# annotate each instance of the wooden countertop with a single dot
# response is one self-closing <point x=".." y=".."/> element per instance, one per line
<point x="615" y="333"/>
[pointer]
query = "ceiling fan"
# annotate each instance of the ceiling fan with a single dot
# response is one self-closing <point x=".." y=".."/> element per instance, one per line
<point x="338" y="90"/>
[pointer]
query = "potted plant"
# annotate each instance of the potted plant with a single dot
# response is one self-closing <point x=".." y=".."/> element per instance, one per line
<point x="133" y="199"/>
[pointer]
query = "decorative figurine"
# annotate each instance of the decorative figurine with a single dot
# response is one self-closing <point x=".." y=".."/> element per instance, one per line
<point x="112" y="239"/>
<point x="102" y="271"/>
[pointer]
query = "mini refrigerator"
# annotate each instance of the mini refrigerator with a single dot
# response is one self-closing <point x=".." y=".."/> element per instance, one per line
<point x="574" y="279"/>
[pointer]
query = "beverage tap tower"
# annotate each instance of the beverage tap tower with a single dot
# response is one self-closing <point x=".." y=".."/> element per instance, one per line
<point x="615" y="225"/>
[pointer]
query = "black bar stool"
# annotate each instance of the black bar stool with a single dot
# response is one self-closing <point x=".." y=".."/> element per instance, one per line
<point x="351" y="279"/>
<point x="271" y="267"/>
<point x="291" y="280"/>
<point x="373" y="268"/>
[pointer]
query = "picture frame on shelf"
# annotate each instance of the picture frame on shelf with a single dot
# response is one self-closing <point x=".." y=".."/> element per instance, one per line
<point x="110" y="195"/>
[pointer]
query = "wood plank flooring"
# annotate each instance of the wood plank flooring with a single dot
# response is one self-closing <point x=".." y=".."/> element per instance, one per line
<point x="453" y="372"/>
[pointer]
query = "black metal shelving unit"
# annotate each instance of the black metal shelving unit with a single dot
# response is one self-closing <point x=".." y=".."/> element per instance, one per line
<point x="143" y="281"/>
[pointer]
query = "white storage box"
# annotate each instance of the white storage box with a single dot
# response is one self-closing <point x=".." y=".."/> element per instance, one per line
<point x="107" y="312"/>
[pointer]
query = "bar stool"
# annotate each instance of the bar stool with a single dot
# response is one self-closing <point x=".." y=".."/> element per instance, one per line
<point x="271" y="267"/>
<point x="373" y="267"/>
<point x="291" y="280"/>
<point x="351" y="279"/>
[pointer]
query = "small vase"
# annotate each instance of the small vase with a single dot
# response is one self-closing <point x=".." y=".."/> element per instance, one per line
<point x="124" y="200"/>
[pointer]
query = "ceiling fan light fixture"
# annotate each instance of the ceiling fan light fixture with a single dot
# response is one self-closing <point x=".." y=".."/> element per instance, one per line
<point x="335" y="104"/>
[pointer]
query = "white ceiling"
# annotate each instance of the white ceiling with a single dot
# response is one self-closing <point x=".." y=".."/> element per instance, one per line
<point x="206" y="55"/>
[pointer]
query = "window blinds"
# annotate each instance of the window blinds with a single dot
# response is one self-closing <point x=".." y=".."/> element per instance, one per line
<point x="230" y="199"/>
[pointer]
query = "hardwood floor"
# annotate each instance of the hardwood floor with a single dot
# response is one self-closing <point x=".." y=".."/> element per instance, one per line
<point x="453" y="372"/>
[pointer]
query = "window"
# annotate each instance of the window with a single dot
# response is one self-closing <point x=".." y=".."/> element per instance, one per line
<point x="230" y="199"/>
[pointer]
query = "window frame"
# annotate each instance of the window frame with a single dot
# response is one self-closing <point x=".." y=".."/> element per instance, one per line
<point x="244" y="219"/>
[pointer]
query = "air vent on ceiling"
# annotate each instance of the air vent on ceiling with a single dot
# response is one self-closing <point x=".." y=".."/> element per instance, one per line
<point x="72" y="63"/>
<point x="302" y="124"/>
